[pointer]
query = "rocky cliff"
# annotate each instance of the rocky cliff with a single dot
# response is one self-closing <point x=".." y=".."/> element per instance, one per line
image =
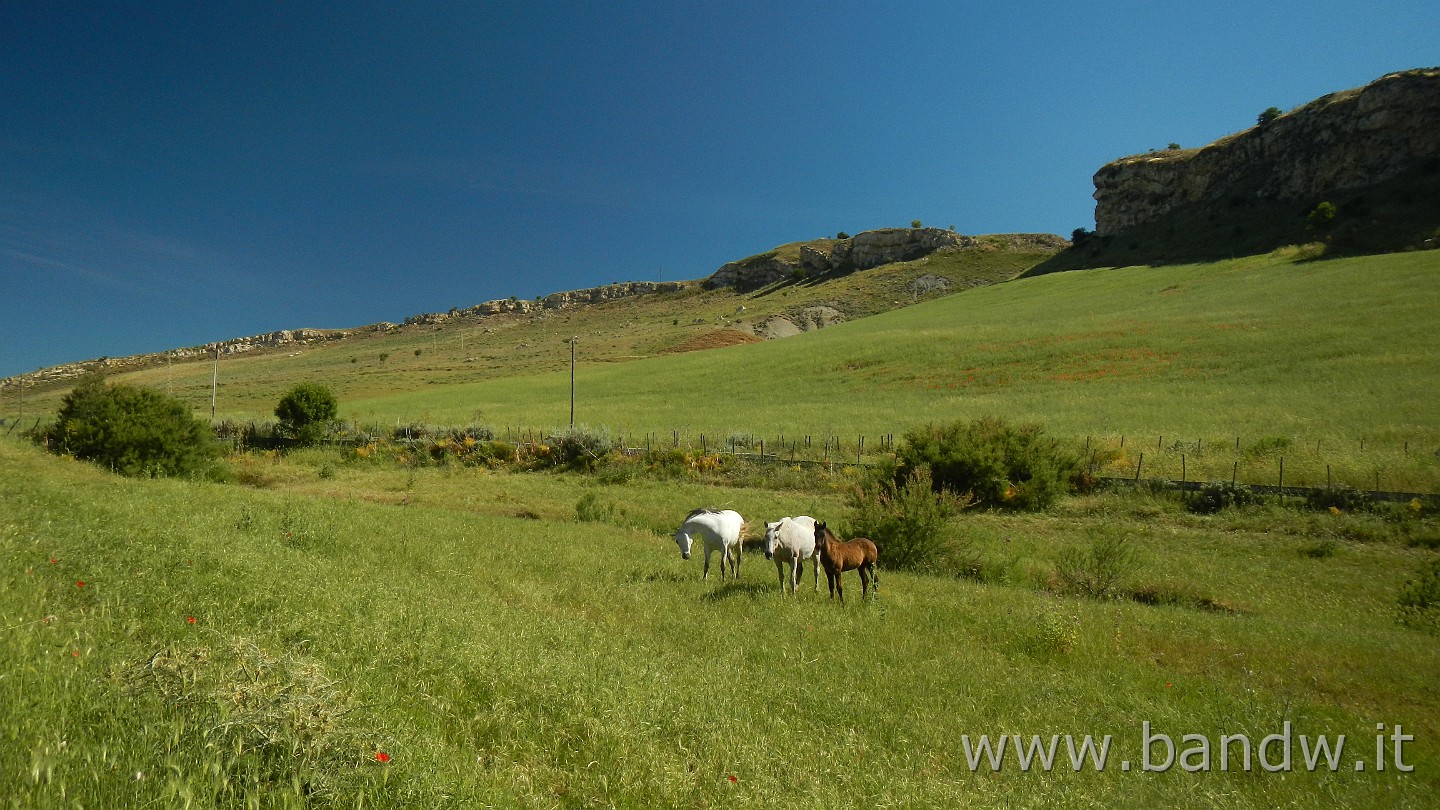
<point x="1374" y="152"/>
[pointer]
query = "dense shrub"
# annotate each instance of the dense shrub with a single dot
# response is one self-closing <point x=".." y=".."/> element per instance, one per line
<point x="580" y="447"/>
<point x="131" y="430"/>
<point x="1217" y="495"/>
<point x="1340" y="496"/>
<point x="910" y="522"/>
<point x="995" y="463"/>
<point x="306" y="411"/>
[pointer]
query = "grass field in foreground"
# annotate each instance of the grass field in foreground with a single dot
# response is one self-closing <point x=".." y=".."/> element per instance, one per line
<point x="352" y="646"/>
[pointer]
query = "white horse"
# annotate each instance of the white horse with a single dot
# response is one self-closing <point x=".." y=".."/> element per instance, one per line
<point x="720" y="530"/>
<point x="790" y="541"/>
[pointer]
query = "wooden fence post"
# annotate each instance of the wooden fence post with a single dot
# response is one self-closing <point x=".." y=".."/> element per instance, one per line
<point x="1138" y="465"/>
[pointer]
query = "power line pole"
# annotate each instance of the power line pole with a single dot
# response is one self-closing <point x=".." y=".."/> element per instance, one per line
<point x="573" y="338"/>
<point x="214" y="382"/>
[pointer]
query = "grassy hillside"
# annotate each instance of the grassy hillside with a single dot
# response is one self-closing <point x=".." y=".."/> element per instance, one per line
<point x="421" y="356"/>
<point x="378" y="637"/>
<point x="353" y="631"/>
<point x="1231" y="365"/>
<point x="1331" y="360"/>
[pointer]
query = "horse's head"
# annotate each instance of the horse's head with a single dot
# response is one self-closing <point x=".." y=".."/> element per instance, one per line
<point x="772" y="538"/>
<point x="682" y="539"/>
<point x="821" y="535"/>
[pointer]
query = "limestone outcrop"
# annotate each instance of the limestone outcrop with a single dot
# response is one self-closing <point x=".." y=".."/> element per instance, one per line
<point x="1343" y="142"/>
<point x="859" y="252"/>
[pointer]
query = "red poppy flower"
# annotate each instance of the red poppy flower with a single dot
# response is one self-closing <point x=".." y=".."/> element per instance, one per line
<point x="80" y="584"/>
<point x="53" y="561"/>
<point x="190" y="619"/>
<point x="74" y="653"/>
<point x="732" y="779"/>
<point x="381" y="756"/>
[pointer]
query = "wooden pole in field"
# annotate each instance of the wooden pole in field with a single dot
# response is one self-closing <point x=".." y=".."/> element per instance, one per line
<point x="573" y="338"/>
<point x="1138" y="465"/>
<point x="214" y="382"/>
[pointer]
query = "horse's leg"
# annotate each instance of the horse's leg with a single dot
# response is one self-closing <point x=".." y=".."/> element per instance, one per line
<point x="707" y="563"/>
<point x="840" y="584"/>
<point x="780" y="572"/>
<point x="816" y="563"/>
<point x="796" y="564"/>
<point x="864" y="580"/>
<point x="739" y="548"/>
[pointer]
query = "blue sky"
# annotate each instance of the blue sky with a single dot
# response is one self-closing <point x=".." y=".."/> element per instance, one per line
<point x="177" y="173"/>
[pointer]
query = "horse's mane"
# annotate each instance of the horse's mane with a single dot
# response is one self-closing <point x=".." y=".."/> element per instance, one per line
<point x="704" y="510"/>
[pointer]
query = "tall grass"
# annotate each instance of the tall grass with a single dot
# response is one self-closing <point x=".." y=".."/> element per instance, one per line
<point x="377" y="638"/>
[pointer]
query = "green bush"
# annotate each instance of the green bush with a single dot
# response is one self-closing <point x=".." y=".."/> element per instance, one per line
<point x="996" y="464"/>
<point x="910" y="522"/>
<point x="580" y="447"/>
<point x="306" y="411"/>
<point x="131" y="430"/>
<point x="1099" y="569"/>
<point x="1217" y="495"/>
<point x="1419" y="599"/>
<point x="1340" y="496"/>
<point x="590" y="509"/>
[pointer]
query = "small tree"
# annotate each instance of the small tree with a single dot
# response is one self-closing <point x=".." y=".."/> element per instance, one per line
<point x="842" y="235"/>
<point x="1322" y="217"/>
<point x="1270" y="114"/>
<point x="305" y="411"/>
<point x="131" y="430"/>
<point x="915" y="223"/>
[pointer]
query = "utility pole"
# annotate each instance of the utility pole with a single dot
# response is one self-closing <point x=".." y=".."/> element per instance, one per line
<point x="573" y="338"/>
<point x="214" y="382"/>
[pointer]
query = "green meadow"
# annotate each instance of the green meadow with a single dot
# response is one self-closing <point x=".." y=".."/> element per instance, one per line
<point x="351" y="634"/>
<point x="1331" y="361"/>
<point x="332" y="630"/>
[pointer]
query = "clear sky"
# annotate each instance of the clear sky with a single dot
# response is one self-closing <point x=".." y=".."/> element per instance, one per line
<point x="174" y="173"/>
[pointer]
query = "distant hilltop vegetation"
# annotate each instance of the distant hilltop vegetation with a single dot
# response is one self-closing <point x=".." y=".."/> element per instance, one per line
<point x="1372" y="154"/>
